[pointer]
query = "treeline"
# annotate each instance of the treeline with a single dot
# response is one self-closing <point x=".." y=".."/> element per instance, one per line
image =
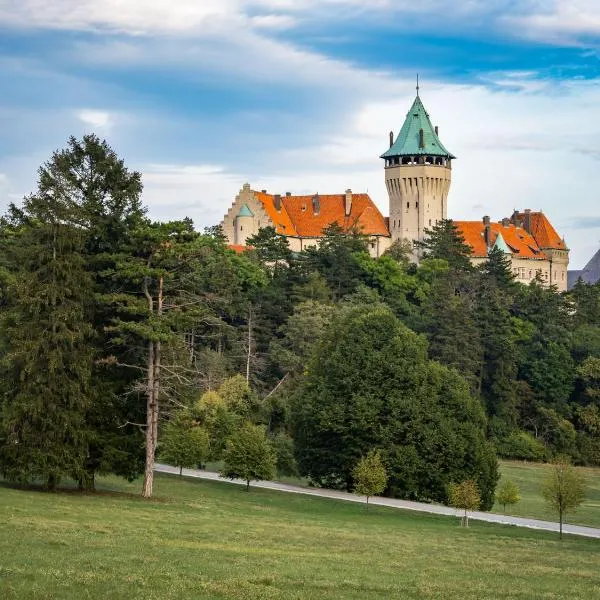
<point x="123" y="340"/>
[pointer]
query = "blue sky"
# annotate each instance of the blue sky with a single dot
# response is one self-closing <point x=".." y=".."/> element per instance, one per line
<point x="299" y="95"/>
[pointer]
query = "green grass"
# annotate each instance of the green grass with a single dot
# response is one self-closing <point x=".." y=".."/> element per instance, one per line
<point x="530" y="476"/>
<point x="214" y="540"/>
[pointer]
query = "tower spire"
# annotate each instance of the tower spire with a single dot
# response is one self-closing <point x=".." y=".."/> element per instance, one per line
<point x="417" y="84"/>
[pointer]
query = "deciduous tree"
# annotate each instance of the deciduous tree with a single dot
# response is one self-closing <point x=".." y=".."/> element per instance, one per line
<point x="249" y="455"/>
<point x="465" y="496"/>
<point x="563" y="489"/>
<point x="507" y="493"/>
<point x="370" y="476"/>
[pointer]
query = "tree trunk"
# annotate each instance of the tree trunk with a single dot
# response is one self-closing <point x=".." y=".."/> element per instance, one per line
<point x="51" y="482"/>
<point x="249" y="345"/>
<point x="247" y="485"/>
<point x="150" y="406"/>
<point x="560" y="518"/>
<point x="367" y="503"/>
<point x="180" y="471"/>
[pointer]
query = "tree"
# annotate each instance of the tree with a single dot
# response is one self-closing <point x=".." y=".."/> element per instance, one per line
<point x="444" y="241"/>
<point x="507" y="493"/>
<point x="563" y="489"/>
<point x="47" y="341"/>
<point x="249" y="455"/>
<point x="370" y="476"/>
<point x="184" y="443"/>
<point x="464" y="496"/>
<point x="370" y="385"/>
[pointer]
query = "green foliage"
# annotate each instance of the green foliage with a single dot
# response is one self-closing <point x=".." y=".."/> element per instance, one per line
<point x="563" y="489"/>
<point x="369" y="475"/>
<point x="465" y="496"/>
<point x="507" y="493"/>
<point x="249" y="455"/>
<point x="184" y="443"/>
<point x="370" y="386"/>
<point x="444" y="241"/>
<point x="521" y="445"/>
<point x="283" y="445"/>
<point x="46" y="337"/>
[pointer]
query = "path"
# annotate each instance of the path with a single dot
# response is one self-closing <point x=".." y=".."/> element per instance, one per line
<point x="391" y="502"/>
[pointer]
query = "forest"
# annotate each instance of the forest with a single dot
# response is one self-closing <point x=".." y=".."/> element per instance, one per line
<point x="123" y="340"/>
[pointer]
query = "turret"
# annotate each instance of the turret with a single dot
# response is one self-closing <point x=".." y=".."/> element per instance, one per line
<point x="244" y="225"/>
<point x="418" y="171"/>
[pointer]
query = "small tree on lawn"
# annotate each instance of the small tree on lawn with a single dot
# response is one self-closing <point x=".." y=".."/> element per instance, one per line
<point x="465" y="496"/>
<point x="508" y="493"/>
<point x="249" y="455"/>
<point x="563" y="489"/>
<point x="370" y="477"/>
<point x="184" y="443"/>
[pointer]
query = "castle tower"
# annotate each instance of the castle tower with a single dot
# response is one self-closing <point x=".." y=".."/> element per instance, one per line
<point x="417" y="176"/>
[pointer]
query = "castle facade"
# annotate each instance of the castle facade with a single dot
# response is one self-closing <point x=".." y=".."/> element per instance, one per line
<point x="418" y="175"/>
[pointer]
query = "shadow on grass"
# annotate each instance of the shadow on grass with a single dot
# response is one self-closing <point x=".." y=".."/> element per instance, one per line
<point x="71" y="489"/>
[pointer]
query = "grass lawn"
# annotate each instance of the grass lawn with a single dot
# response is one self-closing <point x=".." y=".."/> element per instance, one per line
<point x="214" y="540"/>
<point x="529" y="478"/>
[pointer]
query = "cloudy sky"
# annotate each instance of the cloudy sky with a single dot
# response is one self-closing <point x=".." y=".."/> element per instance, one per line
<point x="299" y="95"/>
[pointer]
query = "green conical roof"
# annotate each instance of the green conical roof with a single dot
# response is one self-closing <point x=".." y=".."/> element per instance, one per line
<point x="501" y="244"/>
<point x="407" y="142"/>
<point x="245" y="212"/>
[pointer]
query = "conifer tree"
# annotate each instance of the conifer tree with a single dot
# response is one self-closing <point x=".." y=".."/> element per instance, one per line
<point x="48" y="360"/>
<point x="444" y="241"/>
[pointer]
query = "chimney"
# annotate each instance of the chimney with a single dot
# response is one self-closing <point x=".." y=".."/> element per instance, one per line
<point x="516" y="219"/>
<point x="277" y="202"/>
<point x="505" y="222"/>
<point x="348" y="202"/>
<point x="527" y="220"/>
<point x="391" y="138"/>
<point x="316" y="204"/>
<point x="487" y="231"/>
<point x="263" y="191"/>
<point x="288" y="194"/>
<point x="437" y="130"/>
<point x="421" y="138"/>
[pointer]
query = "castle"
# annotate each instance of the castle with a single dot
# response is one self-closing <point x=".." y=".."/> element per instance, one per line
<point x="418" y="174"/>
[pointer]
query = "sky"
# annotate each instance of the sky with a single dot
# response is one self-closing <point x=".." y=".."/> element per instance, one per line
<point x="202" y="96"/>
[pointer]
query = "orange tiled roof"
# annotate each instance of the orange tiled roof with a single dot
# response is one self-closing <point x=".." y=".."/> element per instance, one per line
<point x="297" y="217"/>
<point x="541" y="229"/>
<point x="520" y="242"/>
<point x="238" y="248"/>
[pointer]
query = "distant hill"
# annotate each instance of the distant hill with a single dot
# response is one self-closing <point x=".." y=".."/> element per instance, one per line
<point x="590" y="273"/>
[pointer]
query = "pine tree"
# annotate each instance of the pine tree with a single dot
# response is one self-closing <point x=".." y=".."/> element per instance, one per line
<point x="48" y="360"/>
<point x="444" y="241"/>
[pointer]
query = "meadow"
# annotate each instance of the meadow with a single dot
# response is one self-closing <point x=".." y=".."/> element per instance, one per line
<point x="200" y="539"/>
<point x="529" y="478"/>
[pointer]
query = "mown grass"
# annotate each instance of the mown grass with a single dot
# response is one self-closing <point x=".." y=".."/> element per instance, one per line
<point x="530" y="476"/>
<point x="214" y="540"/>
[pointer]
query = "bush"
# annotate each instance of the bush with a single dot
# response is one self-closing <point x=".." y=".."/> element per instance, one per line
<point x="521" y="445"/>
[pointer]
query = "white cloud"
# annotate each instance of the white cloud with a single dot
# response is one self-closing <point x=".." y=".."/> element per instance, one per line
<point x="561" y="21"/>
<point x="96" y="119"/>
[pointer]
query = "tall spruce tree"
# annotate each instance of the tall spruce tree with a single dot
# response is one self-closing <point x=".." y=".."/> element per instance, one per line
<point x="106" y="195"/>
<point x="47" y="363"/>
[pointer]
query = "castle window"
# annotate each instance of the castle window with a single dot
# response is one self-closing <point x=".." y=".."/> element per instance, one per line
<point x="416" y="205"/>
<point x="563" y="275"/>
<point x="372" y="244"/>
<point x="529" y="274"/>
<point x="241" y="228"/>
<point x="429" y="221"/>
<point x="407" y="205"/>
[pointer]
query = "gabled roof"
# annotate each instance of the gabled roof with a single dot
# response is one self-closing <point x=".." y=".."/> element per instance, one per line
<point x="407" y="142"/>
<point x="541" y="229"/>
<point x="520" y="243"/>
<point x="297" y="216"/>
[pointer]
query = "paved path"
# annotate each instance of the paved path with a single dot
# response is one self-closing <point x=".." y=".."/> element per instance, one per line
<point x="391" y="502"/>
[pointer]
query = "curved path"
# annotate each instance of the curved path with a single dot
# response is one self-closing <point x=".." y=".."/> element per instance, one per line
<point x="391" y="502"/>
